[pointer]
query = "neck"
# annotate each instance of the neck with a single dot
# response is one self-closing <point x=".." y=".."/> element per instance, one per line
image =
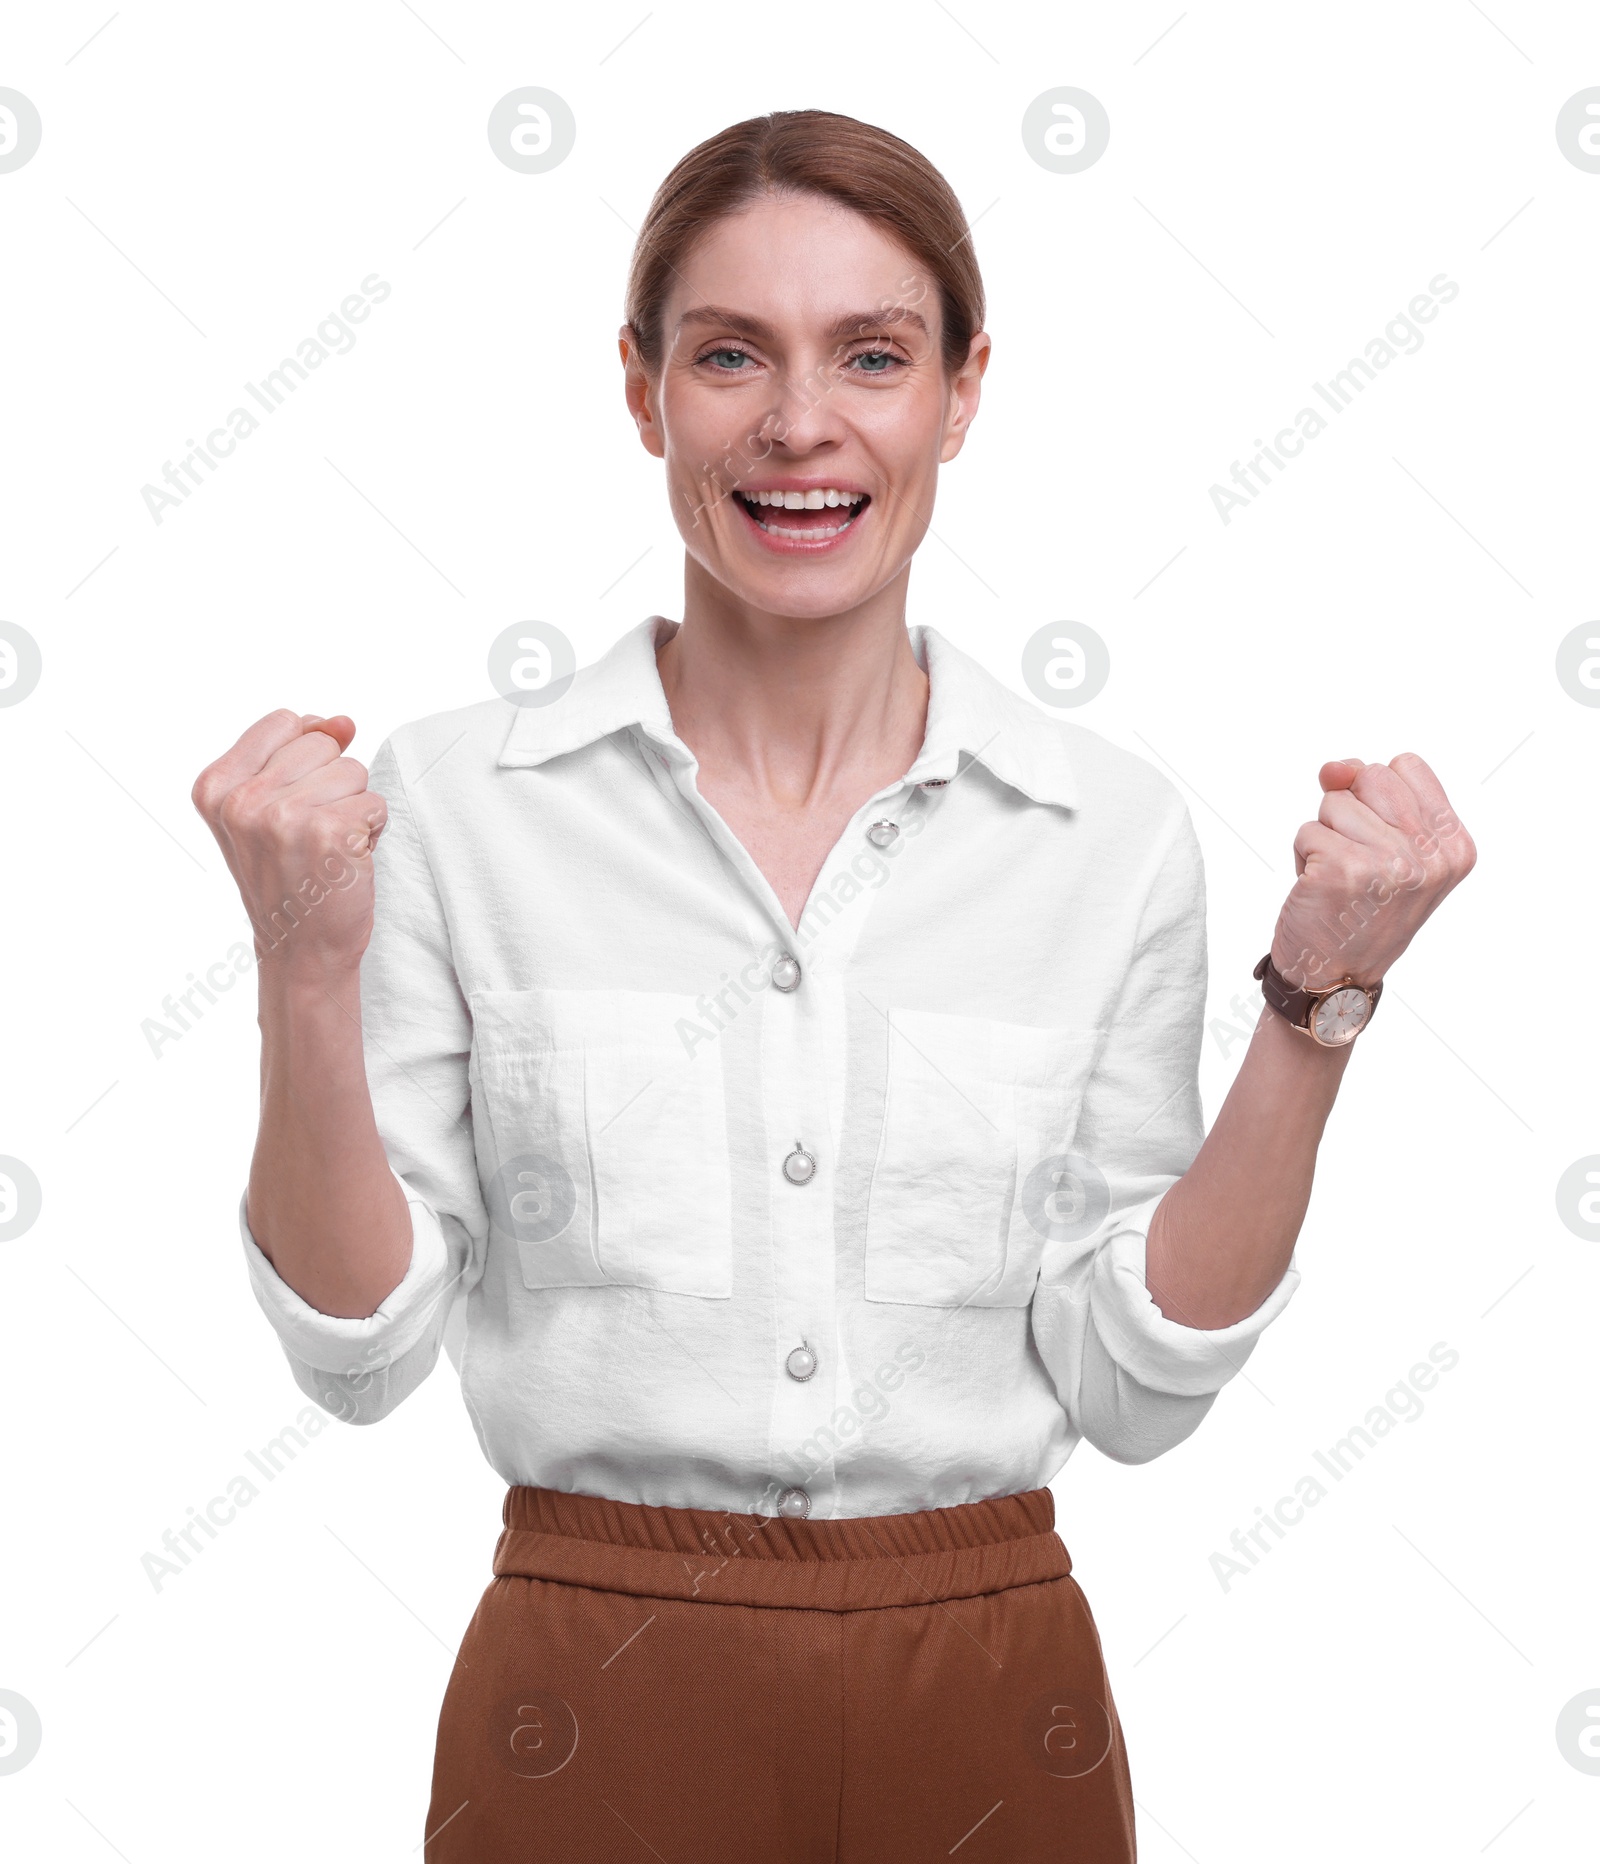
<point x="794" y="710"/>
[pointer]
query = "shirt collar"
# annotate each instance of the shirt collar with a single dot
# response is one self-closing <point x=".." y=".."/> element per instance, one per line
<point x="620" y="689"/>
<point x="971" y="717"/>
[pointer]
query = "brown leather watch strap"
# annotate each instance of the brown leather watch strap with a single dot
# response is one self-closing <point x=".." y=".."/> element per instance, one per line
<point x="1295" y="1004"/>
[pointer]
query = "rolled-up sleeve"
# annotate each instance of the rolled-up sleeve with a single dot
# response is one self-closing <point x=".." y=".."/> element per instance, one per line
<point x="417" y="1041"/>
<point x="1134" y="1380"/>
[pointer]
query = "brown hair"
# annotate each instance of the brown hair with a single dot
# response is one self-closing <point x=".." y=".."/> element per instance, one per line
<point x="810" y="152"/>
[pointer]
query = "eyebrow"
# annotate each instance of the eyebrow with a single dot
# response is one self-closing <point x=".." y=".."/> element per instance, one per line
<point x="754" y="327"/>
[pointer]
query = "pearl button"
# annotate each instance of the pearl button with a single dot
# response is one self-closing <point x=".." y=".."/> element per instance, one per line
<point x="794" y="1504"/>
<point x="786" y="973"/>
<point x="882" y="833"/>
<point x="801" y="1363"/>
<point x="934" y="783"/>
<point x="800" y="1167"/>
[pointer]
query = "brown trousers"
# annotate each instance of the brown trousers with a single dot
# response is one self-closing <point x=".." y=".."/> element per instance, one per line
<point x="715" y="1688"/>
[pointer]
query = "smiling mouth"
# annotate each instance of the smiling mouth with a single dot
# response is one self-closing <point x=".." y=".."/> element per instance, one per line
<point x="804" y="517"/>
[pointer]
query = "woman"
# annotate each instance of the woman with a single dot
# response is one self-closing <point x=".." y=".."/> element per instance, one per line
<point x="785" y="1042"/>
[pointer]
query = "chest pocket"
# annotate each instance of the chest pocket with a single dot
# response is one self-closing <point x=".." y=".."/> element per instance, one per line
<point x="973" y="1113"/>
<point x="606" y="1160"/>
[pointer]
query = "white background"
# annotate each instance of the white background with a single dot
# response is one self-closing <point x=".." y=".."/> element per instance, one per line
<point x="1279" y="183"/>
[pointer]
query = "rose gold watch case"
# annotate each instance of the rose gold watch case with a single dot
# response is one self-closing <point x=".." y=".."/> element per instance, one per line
<point x="1309" y="1026"/>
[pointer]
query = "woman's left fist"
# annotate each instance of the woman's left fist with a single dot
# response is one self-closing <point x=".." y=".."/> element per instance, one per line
<point x="1385" y="849"/>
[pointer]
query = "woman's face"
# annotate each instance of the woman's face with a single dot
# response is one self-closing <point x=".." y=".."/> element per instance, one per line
<point x="802" y="368"/>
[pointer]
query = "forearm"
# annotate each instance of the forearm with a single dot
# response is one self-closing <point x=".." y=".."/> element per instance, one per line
<point x="1221" y="1238"/>
<point x="323" y="1205"/>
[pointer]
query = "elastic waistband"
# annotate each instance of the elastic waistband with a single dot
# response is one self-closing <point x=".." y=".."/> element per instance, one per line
<point x="725" y="1558"/>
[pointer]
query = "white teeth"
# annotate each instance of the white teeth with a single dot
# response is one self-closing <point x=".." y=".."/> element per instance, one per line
<point x="805" y="536"/>
<point x="810" y="533"/>
<point x="814" y="500"/>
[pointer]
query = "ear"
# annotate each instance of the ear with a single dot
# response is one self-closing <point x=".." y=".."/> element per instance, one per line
<point x="964" y="393"/>
<point x="640" y="392"/>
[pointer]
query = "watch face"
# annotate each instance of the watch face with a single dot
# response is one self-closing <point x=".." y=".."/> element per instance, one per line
<point x="1340" y="1016"/>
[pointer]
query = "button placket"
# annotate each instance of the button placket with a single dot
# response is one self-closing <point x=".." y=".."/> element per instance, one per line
<point x="804" y="1022"/>
<point x="797" y="1034"/>
<point x="805" y="1266"/>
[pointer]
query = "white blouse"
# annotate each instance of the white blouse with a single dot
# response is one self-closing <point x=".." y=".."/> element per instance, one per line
<point x="712" y="1211"/>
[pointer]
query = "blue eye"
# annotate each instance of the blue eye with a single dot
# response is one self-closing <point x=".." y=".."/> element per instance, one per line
<point x="720" y="356"/>
<point x="879" y="357"/>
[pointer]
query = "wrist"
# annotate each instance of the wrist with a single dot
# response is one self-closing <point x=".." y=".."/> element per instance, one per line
<point x="1305" y="970"/>
<point x="291" y="992"/>
<point x="1299" y="1049"/>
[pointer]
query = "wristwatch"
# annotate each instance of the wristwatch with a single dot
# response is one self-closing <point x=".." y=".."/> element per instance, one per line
<point x="1333" y="1017"/>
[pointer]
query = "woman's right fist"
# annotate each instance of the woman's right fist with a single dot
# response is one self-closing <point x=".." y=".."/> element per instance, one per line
<point x="297" y="825"/>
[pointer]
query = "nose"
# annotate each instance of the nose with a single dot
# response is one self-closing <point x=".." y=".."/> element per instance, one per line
<point x="806" y="413"/>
